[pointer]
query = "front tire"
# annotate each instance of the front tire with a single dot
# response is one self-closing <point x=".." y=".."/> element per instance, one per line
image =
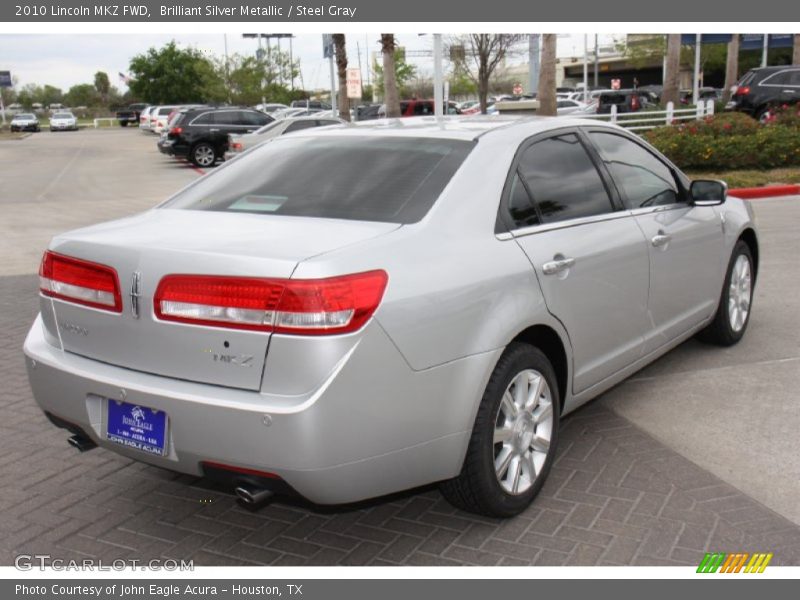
<point x="735" y="303"/>
<point x="514" y="439"/>
<point x="203" y="155"/>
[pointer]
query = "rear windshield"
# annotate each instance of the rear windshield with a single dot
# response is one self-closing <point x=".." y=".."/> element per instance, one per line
<point x="62" y="116"/>
<point x="388" y="179"/>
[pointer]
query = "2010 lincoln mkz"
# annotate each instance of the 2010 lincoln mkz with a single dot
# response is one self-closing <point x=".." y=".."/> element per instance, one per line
<point x="353" y="311"/>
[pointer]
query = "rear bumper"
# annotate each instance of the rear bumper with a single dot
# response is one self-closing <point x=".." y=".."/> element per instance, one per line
<point x="373" y="427"/>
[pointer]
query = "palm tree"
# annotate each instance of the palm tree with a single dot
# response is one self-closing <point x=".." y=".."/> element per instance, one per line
<point x="340" y="50"/>
<point x="547" y="77"/>
<point x="731" y="67"/>
<point x="796" y="53"/>
<point x="672" y="70"/>
<point x="390" y="97"/>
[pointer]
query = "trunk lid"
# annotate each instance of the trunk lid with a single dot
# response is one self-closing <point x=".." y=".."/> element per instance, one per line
<point x="164" y="241"/>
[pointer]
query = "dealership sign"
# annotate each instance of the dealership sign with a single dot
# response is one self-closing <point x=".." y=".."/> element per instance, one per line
<point x="749" y="41"/>
<point x="5" y="79"/>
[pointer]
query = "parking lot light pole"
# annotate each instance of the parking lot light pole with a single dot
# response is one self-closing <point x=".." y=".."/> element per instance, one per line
<point x="586" y="68"/>
<point x="765" y="51"/>
<point x="698" y="40"/>
<point x="438" y="87"/>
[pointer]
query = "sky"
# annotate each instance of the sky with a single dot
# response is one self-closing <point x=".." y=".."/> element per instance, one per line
<point x="67" y="60"/>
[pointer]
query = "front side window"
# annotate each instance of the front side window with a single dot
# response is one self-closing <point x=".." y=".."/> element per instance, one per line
<point x="563" y="180"/>
<point x="644" y="180"/>
<point x="365" y="178"/>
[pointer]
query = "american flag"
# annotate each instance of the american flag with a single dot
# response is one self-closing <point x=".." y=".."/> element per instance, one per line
<point x="124" y="78"/>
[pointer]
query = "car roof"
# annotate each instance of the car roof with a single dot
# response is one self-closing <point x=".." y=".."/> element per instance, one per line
<point x="470" y="128"/>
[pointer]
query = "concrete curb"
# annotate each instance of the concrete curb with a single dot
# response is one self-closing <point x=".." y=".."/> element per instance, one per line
<point x="765" y="192"/>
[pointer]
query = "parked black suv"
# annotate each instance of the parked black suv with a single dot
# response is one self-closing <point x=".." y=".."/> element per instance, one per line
<point x="761" y="89"/>
<point x="626" y="101"/>
<point x="201" y="134"/>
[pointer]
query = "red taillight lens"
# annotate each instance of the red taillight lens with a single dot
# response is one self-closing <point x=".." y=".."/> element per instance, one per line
<point x="80" y="281"/>
<point x="297" y="306"/>
<point x="176" y="131"/>
<point x="742" y="91"/>
<point x="237" y="146"/>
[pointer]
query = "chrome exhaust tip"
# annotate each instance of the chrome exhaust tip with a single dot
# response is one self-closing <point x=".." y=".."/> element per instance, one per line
<point x="81" y="443"/>
<point x="252" y="495"/>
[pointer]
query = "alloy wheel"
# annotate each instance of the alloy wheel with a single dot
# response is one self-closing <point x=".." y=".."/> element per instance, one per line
<point x="523" y="430"/>
<point x="739" y="293"/>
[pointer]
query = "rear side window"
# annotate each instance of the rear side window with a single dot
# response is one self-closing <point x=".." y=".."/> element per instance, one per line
<point x="644" y="179"/>
<point x="364" y="178"/>
<point x="204" y="119"/>
<point x="563" y="180"/>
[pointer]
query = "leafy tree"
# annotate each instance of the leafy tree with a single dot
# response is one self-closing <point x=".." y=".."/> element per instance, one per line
<point x="29" y="95"/>
<point x="483" y="53"/>
<point x="174" y="75"/>
<point x="83" y="94"/>
<point x="102" y="85"/>
<point x="51" y="95"/>
<point x="248" y="79"/>
<point x="403" y="72"/>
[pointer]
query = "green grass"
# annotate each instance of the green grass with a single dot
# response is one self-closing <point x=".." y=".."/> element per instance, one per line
<point x="748" y="178"/>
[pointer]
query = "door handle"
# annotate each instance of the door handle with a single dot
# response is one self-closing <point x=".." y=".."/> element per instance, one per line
<point x="661" y="239"/>
<point x="788" y="91"/>
<point x="557" y="266"/>
<point x="213" y="129"/>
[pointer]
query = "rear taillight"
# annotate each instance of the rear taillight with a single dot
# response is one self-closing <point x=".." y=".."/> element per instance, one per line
<point x="742" y="90"/>
<point x="80" y="282"/>
<point x="296" y="306"/>
<point x="237" y="146"/>
<point x="176" y="131"/>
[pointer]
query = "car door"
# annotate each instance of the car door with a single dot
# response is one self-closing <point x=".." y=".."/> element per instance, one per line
<point x="685" y="242"/>
<point x="589" y="255"/>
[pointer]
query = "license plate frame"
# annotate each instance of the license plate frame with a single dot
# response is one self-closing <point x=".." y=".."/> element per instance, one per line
<point x="136" y="426"/>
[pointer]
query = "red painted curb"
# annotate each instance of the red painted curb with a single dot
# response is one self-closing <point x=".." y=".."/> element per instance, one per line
<point x="766" y="191"/>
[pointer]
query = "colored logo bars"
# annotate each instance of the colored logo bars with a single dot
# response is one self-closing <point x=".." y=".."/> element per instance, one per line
<point x="734" y="563"/>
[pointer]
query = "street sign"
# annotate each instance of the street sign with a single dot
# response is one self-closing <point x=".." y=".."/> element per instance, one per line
<point x="354" y="83"/>
<point x="5" y="79"/>
<point x="327" y="45"/>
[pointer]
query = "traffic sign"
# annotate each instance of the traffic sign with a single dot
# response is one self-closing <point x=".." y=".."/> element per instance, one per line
<point x="327" y="45"/>
<point x="354" y="83"/>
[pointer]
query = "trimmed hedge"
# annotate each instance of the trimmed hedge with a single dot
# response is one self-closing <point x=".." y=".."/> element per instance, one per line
<point x="732" y="141"/>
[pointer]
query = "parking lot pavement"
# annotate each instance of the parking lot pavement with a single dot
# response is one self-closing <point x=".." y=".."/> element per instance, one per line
<point x="736" y="411"/>
<point x="651" y="473"/>
<point x="52" y="182"/>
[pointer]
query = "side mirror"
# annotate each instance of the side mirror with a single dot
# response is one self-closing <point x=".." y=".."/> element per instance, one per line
<point x="708" y="192"/>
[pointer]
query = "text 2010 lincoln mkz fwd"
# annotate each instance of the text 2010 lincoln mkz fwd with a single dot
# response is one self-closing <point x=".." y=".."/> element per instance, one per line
<point x="350" y="312"/>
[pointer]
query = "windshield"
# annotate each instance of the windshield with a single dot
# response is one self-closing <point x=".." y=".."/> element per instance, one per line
<point x="388" y="179"/>
<point x="25" y="116"/>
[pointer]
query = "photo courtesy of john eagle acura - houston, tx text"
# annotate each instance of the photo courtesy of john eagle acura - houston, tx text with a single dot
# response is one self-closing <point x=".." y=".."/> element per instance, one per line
<point x="356" y="310"/>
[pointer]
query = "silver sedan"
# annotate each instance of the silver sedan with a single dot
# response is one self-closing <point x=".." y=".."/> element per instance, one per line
<point x="238" y="143"/>
<point x="349" y="312"/>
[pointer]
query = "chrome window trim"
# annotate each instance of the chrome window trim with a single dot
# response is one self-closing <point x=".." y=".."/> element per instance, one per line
<point x="619" y="214"/>
<point x="544" y="227"/>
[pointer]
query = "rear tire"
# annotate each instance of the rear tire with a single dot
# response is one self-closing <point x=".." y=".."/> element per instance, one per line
<point x="736" y="301"/>
<point x="203" y="155"/>
<point x="514" y="438"/>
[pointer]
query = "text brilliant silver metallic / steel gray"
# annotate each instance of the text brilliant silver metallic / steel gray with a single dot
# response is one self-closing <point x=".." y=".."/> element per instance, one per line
<point x="396" y="403"/>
